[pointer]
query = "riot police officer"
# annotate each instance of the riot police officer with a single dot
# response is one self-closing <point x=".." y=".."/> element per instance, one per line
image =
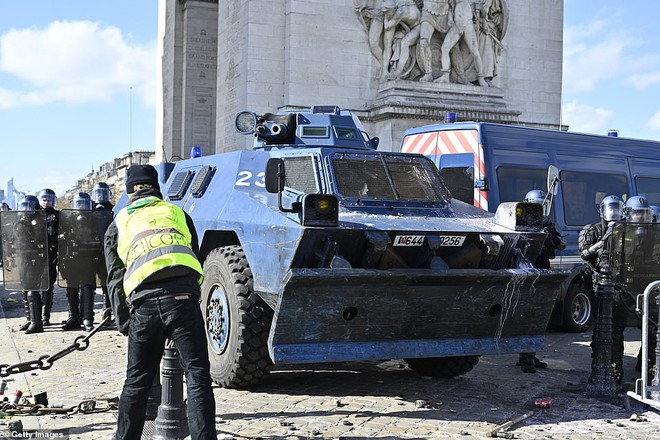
<point x="47" y="200"/>
<point x="592" y="238"/>
<point x="528" y="362"/>
<point x="593" y="244"/>
<point x="30" y="203"/>
<point x="655" y="211"/>
<point x="80" y="299"/>
<point x="101" y="197"/>
<point x="638" y="210"/>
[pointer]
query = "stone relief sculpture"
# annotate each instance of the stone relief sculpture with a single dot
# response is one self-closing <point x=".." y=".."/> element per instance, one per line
<point x="457" y="41"/>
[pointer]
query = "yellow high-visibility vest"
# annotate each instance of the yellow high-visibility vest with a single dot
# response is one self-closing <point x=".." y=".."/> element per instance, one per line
<point x="153" y="235"/>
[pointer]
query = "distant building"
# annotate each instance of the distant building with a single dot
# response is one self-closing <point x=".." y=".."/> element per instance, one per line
<point x="112" y="173"/>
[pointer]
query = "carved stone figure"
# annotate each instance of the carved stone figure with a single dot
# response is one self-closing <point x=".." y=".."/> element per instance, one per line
<point x="436" y="16"/>
<point x="462" y="27"/>
<point x="493" y="22"/>
<point x="405" y="15"/>
<point x="370" y="13"/>
<point x="412" y="38"/>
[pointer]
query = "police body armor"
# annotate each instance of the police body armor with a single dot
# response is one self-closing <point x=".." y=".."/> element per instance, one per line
<point x="81" y="260"/>
<point x="25" y="250"/>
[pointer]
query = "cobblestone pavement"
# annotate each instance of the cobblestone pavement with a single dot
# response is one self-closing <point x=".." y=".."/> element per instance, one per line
<point x="350" y="401"/>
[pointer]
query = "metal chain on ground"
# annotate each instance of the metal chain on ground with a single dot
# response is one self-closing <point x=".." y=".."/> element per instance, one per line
<point x="46" y="361"/>
<point x="88" y="406"/>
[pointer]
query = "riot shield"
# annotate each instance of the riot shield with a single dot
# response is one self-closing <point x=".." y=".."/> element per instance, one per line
<point x="80" y="243"/>
<point x="24" y="250"/>
<point x="635" y="255"/>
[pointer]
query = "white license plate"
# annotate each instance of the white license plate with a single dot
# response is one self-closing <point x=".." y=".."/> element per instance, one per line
<point x="409" y="240"/>
<point x="452" y="240"/>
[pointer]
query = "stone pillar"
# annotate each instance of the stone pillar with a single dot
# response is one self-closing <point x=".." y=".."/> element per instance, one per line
<point x="190" y="62"/>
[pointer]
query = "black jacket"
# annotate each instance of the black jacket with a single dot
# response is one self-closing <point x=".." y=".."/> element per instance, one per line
<point x="168" y="281"/>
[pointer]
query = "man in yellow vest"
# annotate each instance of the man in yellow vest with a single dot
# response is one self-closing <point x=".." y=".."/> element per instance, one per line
<point x="153" y="280"/>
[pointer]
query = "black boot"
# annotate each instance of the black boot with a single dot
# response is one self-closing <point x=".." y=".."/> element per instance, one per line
<point x="48" y="305"/>
<point x="73" y="321"/>
<point x="26" y="306"/>
<point x="526" y="362"/>
<point x="87" y="303"/>
<point x="36" y="324"/>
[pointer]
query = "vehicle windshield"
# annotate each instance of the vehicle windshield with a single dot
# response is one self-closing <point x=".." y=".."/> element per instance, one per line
<point x="388" y="177"/>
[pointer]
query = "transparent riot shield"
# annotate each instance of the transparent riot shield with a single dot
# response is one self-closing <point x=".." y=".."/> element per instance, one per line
<point x="635" y="255"/>
<point x="80" y="244"/>
<point x="24" y="250"/>
<point x="635" y="262"/>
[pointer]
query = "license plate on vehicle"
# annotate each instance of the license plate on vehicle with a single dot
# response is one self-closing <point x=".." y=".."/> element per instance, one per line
<point x="409" y="240"/>
<point x="452" y="240"/>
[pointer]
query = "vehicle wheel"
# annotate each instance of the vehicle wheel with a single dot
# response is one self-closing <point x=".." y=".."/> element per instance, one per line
<point x="237" y="320"/>
<point x="443" y="366"/>
<point x="578" y="309"/>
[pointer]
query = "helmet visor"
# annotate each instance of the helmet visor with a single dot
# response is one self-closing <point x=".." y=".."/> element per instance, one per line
<point x="611" y="212"/>
<point x="640" y="215"/>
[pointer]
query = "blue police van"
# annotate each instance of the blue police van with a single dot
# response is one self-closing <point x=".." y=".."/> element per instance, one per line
<point x="486" y="164"/>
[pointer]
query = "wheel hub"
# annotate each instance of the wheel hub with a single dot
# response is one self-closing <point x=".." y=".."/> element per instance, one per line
<point x="217" y="319"/>
<point x="581" y="309"/>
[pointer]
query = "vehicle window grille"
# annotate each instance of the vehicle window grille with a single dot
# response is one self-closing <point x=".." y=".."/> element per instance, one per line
<point x="300" y="174"/>
<point x="412" y="182"/>
<point x="179" y="185"/>
<point x="202" y="181"/>
<point x="362" y="179"/>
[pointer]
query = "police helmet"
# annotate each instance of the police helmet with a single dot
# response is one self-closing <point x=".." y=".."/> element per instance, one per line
<point x="535" y="196"/>
<point x="101" y="193"/>
<point x="655" y="212"/>
<point x="47" y="198"/>
<point x="28" y="203"/>
<point x="611" y="208"/>
<point x="638" y="210"/>
<point x="82" y="202"/>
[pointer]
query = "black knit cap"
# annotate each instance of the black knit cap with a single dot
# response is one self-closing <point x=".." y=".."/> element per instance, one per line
<point x="141" y="175"/>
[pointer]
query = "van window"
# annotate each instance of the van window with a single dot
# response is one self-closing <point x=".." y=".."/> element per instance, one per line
<point x="650" y="188"/>
<point x="582" y="193"/>
<point x="514" y="183"/>
<point x="460" y="182"/>
<point x="457" y="172"/>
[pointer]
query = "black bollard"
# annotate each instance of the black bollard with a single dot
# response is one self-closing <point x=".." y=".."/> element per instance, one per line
<point x="172" y="420"/>
<point x="602" y="381"/>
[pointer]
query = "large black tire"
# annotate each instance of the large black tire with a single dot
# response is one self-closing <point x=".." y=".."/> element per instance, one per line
<point x="237" y="320"/>
<point x="443" y="366"/>
<point x="578" y="309"/>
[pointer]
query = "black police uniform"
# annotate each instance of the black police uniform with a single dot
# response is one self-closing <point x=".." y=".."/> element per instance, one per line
<point x="107" y="305"/>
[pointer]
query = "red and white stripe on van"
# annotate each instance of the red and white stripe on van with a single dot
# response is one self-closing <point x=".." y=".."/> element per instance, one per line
<point x="447" y="142"/>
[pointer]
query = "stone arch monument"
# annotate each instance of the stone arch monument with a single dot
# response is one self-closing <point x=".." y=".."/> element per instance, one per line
<point x="397" y="63"/>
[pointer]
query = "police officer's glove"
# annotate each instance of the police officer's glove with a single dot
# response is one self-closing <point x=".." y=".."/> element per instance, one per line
<point x="107" y="313"/>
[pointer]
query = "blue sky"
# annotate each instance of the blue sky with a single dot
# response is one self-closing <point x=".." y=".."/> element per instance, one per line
<point x="78" y="81"/>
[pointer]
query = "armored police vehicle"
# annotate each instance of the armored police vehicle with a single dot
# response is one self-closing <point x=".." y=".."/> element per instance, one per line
<point x="318" y="248"/>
